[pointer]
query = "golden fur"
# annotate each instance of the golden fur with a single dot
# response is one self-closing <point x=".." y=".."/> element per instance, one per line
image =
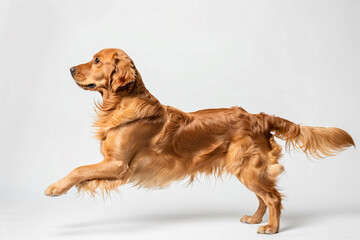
<point x="151" y="145"/>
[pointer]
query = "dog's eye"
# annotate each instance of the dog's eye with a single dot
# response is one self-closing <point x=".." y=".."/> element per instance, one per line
<point x="96" y="60"/>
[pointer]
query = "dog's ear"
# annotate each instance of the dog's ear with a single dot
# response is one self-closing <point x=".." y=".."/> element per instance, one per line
<point x="123" y="73"/>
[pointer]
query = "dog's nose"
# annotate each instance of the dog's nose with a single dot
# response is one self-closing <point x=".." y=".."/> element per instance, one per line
<point x="72" y="70"/>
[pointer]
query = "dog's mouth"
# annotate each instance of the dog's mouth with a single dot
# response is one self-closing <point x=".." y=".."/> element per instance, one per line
<point x="92" y="85"/>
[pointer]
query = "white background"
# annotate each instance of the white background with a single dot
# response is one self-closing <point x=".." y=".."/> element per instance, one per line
<point x="297" y="59"/>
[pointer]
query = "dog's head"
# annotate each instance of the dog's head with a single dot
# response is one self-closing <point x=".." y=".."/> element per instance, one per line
<point x="109" y="70"/>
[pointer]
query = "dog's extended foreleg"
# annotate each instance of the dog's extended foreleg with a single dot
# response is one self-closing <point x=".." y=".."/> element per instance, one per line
<point x="102" y="170"/>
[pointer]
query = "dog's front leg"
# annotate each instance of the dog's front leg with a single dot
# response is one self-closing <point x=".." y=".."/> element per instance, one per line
<point x="103" y="170"/>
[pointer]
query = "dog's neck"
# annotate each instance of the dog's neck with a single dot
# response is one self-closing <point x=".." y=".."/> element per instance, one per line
<point x="131" y="103"/>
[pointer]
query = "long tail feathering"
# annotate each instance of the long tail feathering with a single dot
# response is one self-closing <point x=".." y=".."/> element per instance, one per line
<point x="320" y="142"/>
<point x="317" y="142"/>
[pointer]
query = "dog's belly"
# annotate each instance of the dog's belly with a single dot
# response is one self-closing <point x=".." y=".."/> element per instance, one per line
<point x="151" y="169"/>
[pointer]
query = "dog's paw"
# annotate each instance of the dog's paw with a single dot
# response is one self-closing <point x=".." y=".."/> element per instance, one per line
<point x="268" y="229"/>
<point x="250" y="219"/>
<point x="55" y="189"/>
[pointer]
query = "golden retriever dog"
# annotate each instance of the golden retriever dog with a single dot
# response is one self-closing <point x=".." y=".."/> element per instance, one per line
<point x="151" y="145"/>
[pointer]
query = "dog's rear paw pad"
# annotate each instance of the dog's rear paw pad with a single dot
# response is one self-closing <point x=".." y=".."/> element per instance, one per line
<point x="250" y="219"/>
<point x="267" y="229"/>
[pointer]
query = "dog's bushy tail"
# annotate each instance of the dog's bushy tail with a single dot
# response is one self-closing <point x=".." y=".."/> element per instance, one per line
<point x="320" y="142"/>
<point x="317" y="142"/>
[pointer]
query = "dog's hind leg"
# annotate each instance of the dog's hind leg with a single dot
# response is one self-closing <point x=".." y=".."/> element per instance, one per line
<point x="258" y="215"/>
<point x="260" y="177"/>
<point x="272" y="200"/>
